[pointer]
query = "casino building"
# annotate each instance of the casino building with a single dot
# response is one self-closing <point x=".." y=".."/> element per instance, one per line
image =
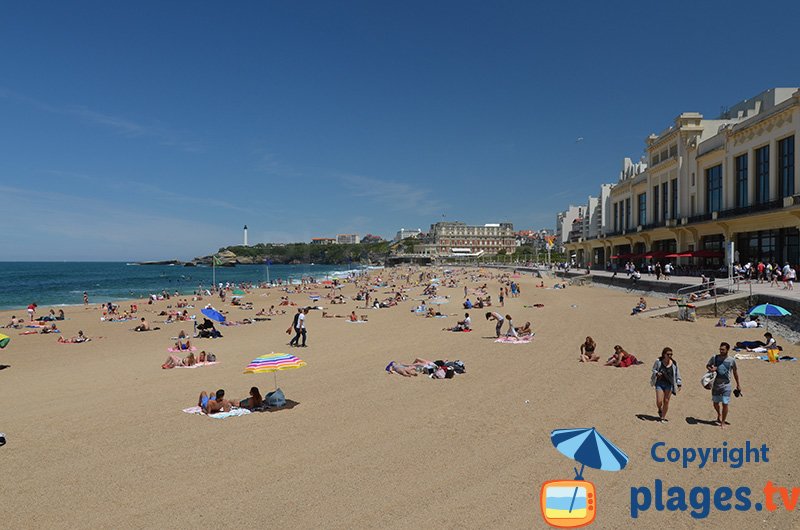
<point x="705" y="182"/>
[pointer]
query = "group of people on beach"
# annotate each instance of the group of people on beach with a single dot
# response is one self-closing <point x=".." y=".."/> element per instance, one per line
<point x="665" y="376"/>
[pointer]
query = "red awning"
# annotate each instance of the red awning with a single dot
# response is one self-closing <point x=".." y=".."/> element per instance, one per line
<point x="681" y="255"/>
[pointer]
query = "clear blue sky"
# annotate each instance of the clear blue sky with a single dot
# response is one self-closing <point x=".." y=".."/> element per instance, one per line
<point x="148" y="130"/>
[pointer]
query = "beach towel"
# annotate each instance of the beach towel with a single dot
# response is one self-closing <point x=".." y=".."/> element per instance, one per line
<point x="176" y="350"/>
<point x="199" y="365"/>
<point x="356" y="321"/>
<point x="219" y="415"/>
<point x="29" y="333"/>
<point x="515" y="340"/>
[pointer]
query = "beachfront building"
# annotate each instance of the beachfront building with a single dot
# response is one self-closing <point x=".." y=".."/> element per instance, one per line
<point x="323" y="241"/>
<point x="705" y="183"/>
<point x="457" y="238"/>
<point x="405" y="233"/>
<point x="565" y="224"/>
<point x="347" y="239"/>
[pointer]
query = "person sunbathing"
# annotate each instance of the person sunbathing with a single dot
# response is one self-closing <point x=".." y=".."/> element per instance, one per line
<point x="409" y="370"/>
<point x="216" y="402"/>
<point x="75" y="340"/>
<point x="353" y="317"/>
<point x="144" y="326"/>
<point x="621" y="358"/>
<point x="173" y="361"/>
<point x="181" y="345"/>
<point x="253" y="401"/>
<point x="52" y="329"/>
<point x="587" y="351"/>
<point x="757" y="346"/>
<point x="525" y="331"/>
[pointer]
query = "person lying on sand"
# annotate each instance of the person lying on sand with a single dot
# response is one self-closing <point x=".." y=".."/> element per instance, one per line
<point x="173" y="361"/>
<point x="74" y="340"/>
<point x="216" y="402"/>
<point x="621" y="358"/>
<point x="180" y="345"/>
<point x="51" y="329"/>
<point x="408" y="370"/>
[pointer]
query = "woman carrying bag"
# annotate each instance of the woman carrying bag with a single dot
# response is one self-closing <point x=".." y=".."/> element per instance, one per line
<point x="666" y="378"/>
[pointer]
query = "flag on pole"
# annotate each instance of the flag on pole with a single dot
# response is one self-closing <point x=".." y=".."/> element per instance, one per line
<point x="216" y="260"/>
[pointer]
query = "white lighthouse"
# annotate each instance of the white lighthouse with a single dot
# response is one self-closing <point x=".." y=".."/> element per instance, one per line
<point x="245" y="235"/>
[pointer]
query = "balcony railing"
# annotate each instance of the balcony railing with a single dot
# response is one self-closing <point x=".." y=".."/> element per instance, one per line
<point x="699" y="218"/>
<point x="753" y="208"/>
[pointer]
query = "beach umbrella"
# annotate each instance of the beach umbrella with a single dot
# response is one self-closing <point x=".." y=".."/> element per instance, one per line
<point x="589" y="448"/>
<point x="4" y="340"/>
<point x="238" y="292"/>
<point x="213" y="314"/>
<point x="274" y="362"/>
<point x="768" y="310"/>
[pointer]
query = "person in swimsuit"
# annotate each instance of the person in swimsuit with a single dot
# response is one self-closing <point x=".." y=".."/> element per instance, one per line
<point x="587" y="351"/>
<point x="211" y="403"/>
<point x="253" y="401"/>
<point x="666" y="378"/>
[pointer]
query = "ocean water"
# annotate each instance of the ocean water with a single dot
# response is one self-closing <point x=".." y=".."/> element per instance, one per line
<point x="54" y="283"/>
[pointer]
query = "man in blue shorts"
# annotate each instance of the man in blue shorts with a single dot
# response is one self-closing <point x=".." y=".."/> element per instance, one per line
<point x="723" y="365"/>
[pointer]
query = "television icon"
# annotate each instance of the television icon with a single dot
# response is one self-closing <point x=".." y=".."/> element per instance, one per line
<point x="568" y="503"/>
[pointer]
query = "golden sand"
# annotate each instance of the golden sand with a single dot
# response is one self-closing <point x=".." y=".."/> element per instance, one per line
<point x="97" y="439"/>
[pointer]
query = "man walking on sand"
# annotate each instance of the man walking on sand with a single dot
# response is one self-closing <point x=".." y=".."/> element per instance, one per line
<point x="723" y="365"/>
<point x="296" y="327"/>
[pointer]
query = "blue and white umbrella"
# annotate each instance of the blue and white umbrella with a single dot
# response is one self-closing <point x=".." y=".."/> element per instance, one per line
<point x="768" y="310"/>
<point x="589" y="448"/>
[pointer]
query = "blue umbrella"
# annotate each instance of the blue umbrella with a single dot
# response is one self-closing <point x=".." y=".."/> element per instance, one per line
<point x="213" y="314"/>
<point x="589" y="448"/>
<point x="768" y="310"/>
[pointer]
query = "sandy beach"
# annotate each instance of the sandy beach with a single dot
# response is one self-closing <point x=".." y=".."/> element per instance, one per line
<point x="97" y="437"/>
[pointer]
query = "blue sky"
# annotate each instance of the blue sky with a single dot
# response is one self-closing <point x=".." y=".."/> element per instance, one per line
<point x="150" y="130"/>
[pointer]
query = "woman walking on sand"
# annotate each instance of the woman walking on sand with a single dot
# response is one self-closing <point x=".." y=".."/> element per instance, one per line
<point x="666" y="378"/>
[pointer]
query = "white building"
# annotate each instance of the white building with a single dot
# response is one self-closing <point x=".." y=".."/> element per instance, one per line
<point x="405" y="233"/>
<point x="565" y="221"/>
<point x="347" y="239"/>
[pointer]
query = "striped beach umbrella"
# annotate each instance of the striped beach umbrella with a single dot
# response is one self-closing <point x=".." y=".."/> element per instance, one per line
<point x="274" y="362"/>
<point x="768" y="310"/>
<point x="589" y="448"/>
<point x="4" y="340"/>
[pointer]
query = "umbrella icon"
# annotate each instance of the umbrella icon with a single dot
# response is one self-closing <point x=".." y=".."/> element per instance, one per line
<point x="768" y="310"/>
<point x="213" y="314"/>
<point x="591" y="449"/>
<point x="274" y="362"/>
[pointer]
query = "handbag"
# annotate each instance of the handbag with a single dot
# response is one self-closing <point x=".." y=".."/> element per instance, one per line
<point x="708" y="380"/>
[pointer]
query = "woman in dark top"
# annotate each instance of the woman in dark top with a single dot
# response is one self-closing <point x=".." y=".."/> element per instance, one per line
<point x="587" y="351"/>
<point x="667" y="380"/>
